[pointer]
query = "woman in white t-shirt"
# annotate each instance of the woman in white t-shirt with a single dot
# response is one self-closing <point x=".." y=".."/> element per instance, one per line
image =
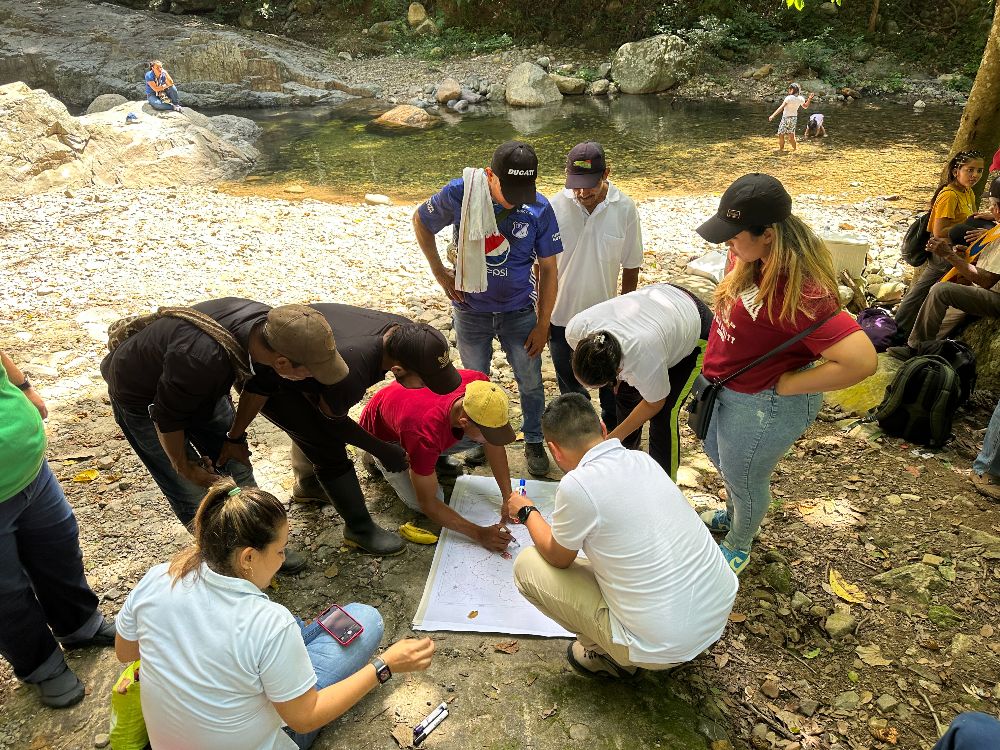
<point x="789" y="109"/>
<point x="648" y="345"/>
<point x="223" y="667"/>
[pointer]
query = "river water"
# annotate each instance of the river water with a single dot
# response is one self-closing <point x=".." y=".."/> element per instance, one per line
<point x="656" y="145"/>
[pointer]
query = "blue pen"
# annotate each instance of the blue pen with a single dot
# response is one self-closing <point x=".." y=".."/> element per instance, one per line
<point x="520" y="488"/>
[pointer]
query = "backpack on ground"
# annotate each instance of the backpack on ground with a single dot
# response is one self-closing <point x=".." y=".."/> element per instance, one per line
<point x="914" y="250"/>
<point x="961" y="358"/>
<point x="879" y="325"/>
<point x="920" y="401"/>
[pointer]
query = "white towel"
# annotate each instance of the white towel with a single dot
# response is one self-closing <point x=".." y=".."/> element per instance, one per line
<point x="477" y="222"/>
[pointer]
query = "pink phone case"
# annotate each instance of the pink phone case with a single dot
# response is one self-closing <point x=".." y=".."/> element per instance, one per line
<point x="335" y="636"/>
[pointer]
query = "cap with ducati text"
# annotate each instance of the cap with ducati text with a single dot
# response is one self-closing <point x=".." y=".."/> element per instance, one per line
<point x="516" y="165"/>
<point x="754" y="200"/>
<point x="487" y="406"/>
<point x="301" y="334"/>
<point x="424" y="350"/>
<point x="585" y="165"/>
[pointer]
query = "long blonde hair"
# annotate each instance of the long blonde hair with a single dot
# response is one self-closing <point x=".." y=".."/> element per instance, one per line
<point x="799" y="257"/>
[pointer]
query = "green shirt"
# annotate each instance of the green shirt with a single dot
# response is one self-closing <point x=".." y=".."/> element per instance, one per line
<point x="22" y="439"/>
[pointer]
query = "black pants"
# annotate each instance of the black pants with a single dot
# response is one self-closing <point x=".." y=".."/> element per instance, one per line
<point x="319" y="438"/>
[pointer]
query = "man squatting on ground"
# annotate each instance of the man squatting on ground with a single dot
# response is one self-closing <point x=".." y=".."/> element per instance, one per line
<point x="429" y="426"/>
<point x="526" y="232"/>
<point x="654" y="590"/>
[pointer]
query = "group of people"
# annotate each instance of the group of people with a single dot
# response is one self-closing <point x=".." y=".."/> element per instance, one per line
<point x="654" y="589"/>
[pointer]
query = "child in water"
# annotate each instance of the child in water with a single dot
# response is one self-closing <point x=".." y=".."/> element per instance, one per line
<point x="814" y="128"/>
<point x="789" y="109"/>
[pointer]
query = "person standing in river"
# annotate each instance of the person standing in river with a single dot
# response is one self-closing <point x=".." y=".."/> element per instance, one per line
<point x="789" y="109"/>
<point x="502" y="227"/>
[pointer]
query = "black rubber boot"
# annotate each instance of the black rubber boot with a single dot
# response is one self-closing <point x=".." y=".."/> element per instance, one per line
<point x="359" y="528"/>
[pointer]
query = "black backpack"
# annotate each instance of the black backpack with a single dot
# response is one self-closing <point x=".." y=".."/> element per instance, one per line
<point x="960" y="357"/>
<point x="920" y="401"/>
<point x="914" y="250"/>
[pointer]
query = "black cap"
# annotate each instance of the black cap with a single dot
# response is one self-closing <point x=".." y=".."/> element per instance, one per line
<point x="516" y="165"/>
<point x="995" y="189"/>
<point x="754" y="200"/>
<point x="424" y="350"/>
<point x="585" y="165"/>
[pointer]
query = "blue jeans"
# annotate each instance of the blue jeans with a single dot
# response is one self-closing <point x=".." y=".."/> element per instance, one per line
<point x="971" y="731"/>
<point x="334" y="662"/>
<point x="475" y="332"/>
<point x="748" y="435"/>
<point x="562" y="360"/>
<point x="156" y="103"/>
<point x="988" y="460"/>
<point x="204" y="439"/>
<point x="44" y="595"/>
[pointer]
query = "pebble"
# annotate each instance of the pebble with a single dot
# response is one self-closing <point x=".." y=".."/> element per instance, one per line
<point x="101" y="740"/>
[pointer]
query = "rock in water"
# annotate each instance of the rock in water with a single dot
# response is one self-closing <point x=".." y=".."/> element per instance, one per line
<point x="569" y="86"/>
<point x="416" y="14"/>
<point x="447" y="90"/>
<point x="650" y="65"/>
<point x="405" y="117"/>
<point x="530" y="86"/>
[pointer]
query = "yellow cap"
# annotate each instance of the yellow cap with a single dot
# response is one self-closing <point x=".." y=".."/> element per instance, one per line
<point x="487" y="406"/>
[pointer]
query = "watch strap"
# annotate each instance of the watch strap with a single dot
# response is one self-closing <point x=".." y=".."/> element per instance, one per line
<point x="25" y="386"/>
<point x="524" y="512"/>
<point x="382" y="671"/>
<point x="237" y="441"/>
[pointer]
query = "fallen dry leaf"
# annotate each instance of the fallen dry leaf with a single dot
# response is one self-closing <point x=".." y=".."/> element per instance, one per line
<point x="473" y="614"/>
<point x="87" y="476"/>
<point x="721" y="660"/>
<point x="403" y="734"/>
<point x="872" y="655"/>
<point x="885" y="734"/>
<point x="507" y="647"/>
<point x="845" y="590"/>
<point x="912" y="470"/>
<point x="737" y="617"/>
<point x="550" y="711"/>
<point x="986" y="631"/>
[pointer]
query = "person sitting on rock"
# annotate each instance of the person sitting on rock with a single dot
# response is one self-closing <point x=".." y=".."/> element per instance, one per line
<point x="161" y="93"/>
<point x="654" y="590"/>
<point x="432" y="426"/>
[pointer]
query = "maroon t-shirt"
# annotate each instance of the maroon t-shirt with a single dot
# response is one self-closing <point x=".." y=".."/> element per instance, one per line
<point x="748" y="332"/>
<point x="418" y="419"/>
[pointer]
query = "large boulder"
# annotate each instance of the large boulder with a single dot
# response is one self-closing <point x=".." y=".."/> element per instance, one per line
<point x="105" y="102"/>
<point x="43" y="147"/>
<point x="405" y="117"/>
<point x="77" y="51"/>
<point x="530" y="86"/>
<point x="416" y="14"/>
<point x="982" y="338"/>
<point x="447" y="90"/>
<point x="650" y="65"/>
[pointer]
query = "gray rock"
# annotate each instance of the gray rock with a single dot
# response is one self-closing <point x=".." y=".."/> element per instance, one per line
<point x="345" y="56"/>
<point x="778" y="576"/>
<point x="101" y="740"/>
<point x="543" y="63"/>
<point x="613" y="89"/>
<point x="599" y="87"/>
<point x="916" y="581"/>
<point x="447" y="90"/>
<point x="104" y="102"/>
<point x="234" y="128"/>
<point x="569" y="86"/>
<point x="604" y="70"/>
<point x="496" y="93"/>
<point x="847" y="701"/>
<point x="385" y="30"/>
<point x="461" y="105"/>
<point x="828" y="9"/>
<point x="429" y="89"/>
<point x="528" y="85"/>
<point x="885" y="702"/>
<point x="840" y="623"/>
<point x="861" y="52"/>
<point x="800" y="601"/>
<point x="417" y="102"/>
<point x="650" y="65"/>
<point x="470" y="96"/>
<point x="427" y="28"/>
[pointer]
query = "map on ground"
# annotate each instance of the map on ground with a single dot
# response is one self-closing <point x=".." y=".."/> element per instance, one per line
<point x="470" y="588"/>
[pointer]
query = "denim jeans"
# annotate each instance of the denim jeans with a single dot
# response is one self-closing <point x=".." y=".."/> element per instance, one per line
<point x="204" y="439"/>
<point x="971" y="731"/>
<point x="475" y="332"/>
<point x="747" y="436"/>
<point x="988" y="460"/>
<point x="43" y="591"/>
<point x="333" y="662"/>
<point x="562" y="360"/>
<point x="156" y="103"/>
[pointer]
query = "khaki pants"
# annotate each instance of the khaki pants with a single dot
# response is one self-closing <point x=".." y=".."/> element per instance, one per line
<point x="935" y="314"/>
<point x="573" y="598"/>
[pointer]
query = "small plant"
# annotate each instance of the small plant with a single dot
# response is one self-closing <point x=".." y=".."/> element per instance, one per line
<point x="453" y="41"/>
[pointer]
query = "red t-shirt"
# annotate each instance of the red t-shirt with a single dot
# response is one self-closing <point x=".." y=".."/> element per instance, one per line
<point x="418" y="419"/>
<point x="748" y="332"/>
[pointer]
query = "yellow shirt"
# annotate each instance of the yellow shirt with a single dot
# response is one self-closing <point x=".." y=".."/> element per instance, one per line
<point x="957" y="205"/>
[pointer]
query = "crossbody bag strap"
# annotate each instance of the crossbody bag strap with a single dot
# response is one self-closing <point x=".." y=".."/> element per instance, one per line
<point x="779" y="348"/>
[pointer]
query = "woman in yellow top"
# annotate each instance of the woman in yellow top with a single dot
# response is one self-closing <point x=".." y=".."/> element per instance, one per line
<point x="954" y="201"/>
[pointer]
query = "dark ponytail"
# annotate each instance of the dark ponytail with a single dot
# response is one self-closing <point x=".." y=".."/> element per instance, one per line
<point x="597" y="359"/>
<point x="229" y="519"/>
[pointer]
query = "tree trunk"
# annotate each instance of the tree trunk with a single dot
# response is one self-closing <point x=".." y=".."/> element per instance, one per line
<point x="980" y="125"/>
<point x="873" y="18"/>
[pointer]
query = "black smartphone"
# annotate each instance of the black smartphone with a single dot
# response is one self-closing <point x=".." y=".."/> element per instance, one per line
<point x="339" y="624"/>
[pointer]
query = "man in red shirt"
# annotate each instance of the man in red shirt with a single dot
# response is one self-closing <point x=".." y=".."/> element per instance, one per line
<point x="428" y="426"/>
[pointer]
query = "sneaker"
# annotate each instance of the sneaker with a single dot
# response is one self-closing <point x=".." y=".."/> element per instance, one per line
<point x="987" y="485"/>
<point x="595" y="664"/>
<point x="716" y="520"/>
<point x="901" y="353"/>
<point x="736" y="558"/>
<point x="476" y="456"/>
<point x="103" y="638"/>
<point x="62" y="691"/>
<point x="537" y="458"/>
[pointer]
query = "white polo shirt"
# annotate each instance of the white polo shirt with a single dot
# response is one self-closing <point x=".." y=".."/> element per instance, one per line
<point x="596" y="246"/>
<point x="215" y="653"/>
<point x="668" y="587"/>
<point x="657" y="326"/>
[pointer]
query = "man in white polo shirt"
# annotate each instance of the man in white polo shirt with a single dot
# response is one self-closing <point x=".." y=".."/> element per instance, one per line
<point x="654" y="590"/>
<point x="601" y="239"/>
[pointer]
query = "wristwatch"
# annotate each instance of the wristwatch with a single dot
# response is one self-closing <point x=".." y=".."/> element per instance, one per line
<point x="523" y="513"/>
<point x="25" y="386"/>
<point x="382" y="671"/>
<point x="237" y="441"/>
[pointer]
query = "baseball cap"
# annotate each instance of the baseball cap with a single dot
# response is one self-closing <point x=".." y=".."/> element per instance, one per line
<point x="424" y="349"/>
<point x="516" y="165"/>
<point x="754" y="200"/>
<point x="302" y="334"/>
<point x="487" y="405"/>
<point x="995" y="189"/>
<point x="585" y="165"/>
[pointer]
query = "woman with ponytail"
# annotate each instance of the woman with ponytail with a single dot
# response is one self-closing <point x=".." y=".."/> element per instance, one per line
<point x="781" y="284"/>
<point x="223" y="667"/>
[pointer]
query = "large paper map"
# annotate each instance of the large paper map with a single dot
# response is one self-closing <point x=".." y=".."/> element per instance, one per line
<point x="466" y="579"/>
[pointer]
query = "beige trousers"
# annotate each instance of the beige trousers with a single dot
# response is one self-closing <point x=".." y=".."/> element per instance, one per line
<point x="572" y="597"/>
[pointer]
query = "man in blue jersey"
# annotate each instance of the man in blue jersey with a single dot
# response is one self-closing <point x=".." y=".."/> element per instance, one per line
<point x="511" y="309"/>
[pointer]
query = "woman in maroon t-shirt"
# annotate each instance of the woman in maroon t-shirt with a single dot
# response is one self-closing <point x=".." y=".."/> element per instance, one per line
<point x="781" y="283"/>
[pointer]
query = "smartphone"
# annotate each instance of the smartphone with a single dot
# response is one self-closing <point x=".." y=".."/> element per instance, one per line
<point x="339" y="624"/>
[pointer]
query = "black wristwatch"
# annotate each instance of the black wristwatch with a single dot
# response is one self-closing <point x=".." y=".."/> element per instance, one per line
<point x="241" y="440"/>
<point x="25" y="386"/>
<point x="382" y="671"/>
<point x="524" y="512"/>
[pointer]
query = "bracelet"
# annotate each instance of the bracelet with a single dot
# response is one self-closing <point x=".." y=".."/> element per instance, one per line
<point x="25" y="386"/>
<point x="237" y="441"/>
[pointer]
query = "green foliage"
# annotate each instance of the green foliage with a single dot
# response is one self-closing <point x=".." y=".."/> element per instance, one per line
<point x="453" y="41"/>
<point x="813" y="54"/>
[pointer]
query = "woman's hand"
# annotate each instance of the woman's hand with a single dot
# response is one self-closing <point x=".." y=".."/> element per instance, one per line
<point x="409" y="655"/>
<point x="781" y="387"/>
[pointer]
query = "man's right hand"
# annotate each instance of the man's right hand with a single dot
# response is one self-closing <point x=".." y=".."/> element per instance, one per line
<point x="446" y="278"/>
<point x="196" y="472"/>
<point x="409" y="655"/>
<point x="494" y="538"/>
<point x="394" y="458"/>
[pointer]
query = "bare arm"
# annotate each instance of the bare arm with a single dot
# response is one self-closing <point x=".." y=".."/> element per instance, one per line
<point x="548" y="287"/>
<point x="805" y="104"/>
<point x="496" y="456"/>
<point x="541" y="534"/>
<point x="16" y="377"/>
<point x="849" y="361"/>
<point x="630" y="280"/>
<point x="490" y="537"/>
<point x="642" y="413"/>
<point x="428" y="245"/>
<point x="775" y="113"/>
<point x="957" y="257"/>
<point x="175" y="446"/>
<point x="246" y="411"/>
<point x="126" y="651"/>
